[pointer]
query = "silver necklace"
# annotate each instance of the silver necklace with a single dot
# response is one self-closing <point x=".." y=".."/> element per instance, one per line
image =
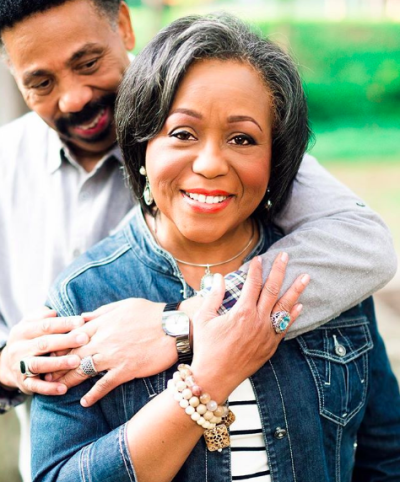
<point x="207" y="279"/>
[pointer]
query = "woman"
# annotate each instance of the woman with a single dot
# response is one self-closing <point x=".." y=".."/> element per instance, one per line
<point x="212" y="121"/>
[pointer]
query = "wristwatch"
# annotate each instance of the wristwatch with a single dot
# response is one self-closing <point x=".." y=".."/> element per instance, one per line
<point x="177" y="324"/>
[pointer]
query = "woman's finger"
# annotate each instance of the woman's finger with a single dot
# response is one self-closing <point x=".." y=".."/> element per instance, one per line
<point x="102" y="310"/>
<point x="77" y="376"/>
<point x="288" y="299"/>
<point x="273" y="285"/>
<point x="294" y="314"/>
<point x="105" y="385"/>
<point x="252" y="286"/>
<point x="212" y="301"/>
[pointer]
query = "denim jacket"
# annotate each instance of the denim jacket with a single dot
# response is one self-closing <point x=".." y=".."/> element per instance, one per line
<point x="328" y="401"/>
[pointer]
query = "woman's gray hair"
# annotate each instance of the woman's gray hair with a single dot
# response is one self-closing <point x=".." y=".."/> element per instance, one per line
<point x="151" y="82"/>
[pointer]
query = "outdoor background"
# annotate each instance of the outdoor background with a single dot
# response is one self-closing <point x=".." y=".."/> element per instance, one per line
<point x="348" y="52"/>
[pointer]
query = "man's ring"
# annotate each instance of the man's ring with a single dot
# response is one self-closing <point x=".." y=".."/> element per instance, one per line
<point x="87" y="366"/>
<point x="24" y="367"/>
<point x="280" y="321"/>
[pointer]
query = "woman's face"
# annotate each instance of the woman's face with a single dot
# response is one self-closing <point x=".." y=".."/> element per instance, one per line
<point x="209" y="166"/>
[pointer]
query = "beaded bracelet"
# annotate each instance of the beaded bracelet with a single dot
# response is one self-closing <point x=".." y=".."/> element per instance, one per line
<point x="214" y="418"/>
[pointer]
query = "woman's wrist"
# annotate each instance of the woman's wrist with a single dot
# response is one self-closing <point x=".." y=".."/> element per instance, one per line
<point x="212" y="381"/>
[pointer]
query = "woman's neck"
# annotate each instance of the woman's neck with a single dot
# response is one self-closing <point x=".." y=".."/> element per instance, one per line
<point x="228" y="251"/>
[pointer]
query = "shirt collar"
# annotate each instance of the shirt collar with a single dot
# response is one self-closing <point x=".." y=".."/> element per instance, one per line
<point x="58" y="153"/>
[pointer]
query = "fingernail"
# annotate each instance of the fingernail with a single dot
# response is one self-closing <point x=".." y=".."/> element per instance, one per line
<point x="82" y="339"/>
<point x="61" y="389"/>
<point x="84" y="402"/>
<point x="305" y="279"/>
<point x="89" y="313"/>
<point x="284" y="257"/>
<point x="299" y="307"/>
<point x="259" y="259"/>
<point x="48" y="377"/>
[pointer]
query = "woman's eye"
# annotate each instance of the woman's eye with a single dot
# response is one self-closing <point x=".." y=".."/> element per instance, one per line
<point x="242" y="140"/>
<point x="183" y="135"/>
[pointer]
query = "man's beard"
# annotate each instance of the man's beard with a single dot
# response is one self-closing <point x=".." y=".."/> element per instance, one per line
<point x="89" y="112"/>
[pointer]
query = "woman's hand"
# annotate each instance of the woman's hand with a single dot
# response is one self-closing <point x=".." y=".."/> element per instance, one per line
<point x="230" y="348"/>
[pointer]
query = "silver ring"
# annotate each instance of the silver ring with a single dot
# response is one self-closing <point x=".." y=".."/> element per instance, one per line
<point x="24" y="367"/>
<point x="87" y="366"/>
<point x="280" y="321"/>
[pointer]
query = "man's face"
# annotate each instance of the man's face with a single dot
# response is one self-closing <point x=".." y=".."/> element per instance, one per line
<point x="68" y="63"/>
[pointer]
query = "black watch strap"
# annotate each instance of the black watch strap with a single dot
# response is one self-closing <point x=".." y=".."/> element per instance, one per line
<point x="172" y="306"/>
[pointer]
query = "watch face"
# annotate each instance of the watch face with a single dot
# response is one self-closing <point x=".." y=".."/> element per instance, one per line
<point x="175" y="323"/>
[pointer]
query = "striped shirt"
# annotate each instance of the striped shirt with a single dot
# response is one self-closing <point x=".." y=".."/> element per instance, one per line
<point x="248" y="454"/>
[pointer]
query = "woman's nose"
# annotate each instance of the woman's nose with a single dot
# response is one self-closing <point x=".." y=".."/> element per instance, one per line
<point x="211" y="162"/>
<point x="74" y="97"/>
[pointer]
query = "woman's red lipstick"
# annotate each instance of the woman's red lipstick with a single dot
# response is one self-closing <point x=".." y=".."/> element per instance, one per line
<point x="204" y="207"/>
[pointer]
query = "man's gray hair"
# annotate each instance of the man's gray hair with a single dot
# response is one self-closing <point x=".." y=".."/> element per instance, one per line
<point x="151" y="82"/>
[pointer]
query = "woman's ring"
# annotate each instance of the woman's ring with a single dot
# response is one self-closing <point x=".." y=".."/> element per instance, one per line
<point x="24" y="367"/>
<point x="280" y="321"/>
<point x="87" y="366"/>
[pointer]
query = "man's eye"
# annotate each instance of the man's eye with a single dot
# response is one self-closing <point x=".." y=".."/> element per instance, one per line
<point x="87" y="66"/>
<point x="242" y="140"/>
<point x="90" y="64"/>
<point x="45" y="84"/>
<point x="183" y="135"/>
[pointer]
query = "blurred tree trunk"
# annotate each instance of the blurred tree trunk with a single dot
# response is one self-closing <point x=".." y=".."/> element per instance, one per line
<point x="11" y="102"/>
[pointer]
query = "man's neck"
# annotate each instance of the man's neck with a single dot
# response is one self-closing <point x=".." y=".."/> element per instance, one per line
<point x="88" y="160"/>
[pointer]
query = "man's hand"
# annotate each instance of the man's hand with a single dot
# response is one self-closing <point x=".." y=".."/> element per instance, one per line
<point x="34" y="337"/>
<point x="127" y="341"/>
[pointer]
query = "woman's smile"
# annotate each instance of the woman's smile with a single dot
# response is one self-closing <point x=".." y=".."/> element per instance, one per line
<point x="203" y="201"/>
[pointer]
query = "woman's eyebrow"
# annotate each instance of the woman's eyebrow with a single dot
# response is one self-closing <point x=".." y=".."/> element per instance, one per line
<point x="243" y="118"/>
<point x="182" y="110"/>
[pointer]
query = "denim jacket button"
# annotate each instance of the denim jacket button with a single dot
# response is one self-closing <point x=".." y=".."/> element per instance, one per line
<point x="280" y="433"/>
<point x="340" y="350"/>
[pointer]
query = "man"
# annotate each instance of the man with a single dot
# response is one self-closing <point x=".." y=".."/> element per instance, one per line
<point x="62" y="190"/>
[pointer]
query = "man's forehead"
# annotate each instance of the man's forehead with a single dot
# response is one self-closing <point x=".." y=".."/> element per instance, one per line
<point x="63" y="26"/>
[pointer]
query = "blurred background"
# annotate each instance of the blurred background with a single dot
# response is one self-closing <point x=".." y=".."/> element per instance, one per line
<point x="348" y="53"/>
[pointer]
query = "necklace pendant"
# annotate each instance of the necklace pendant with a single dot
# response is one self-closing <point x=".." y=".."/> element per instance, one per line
<point x="207" y="279"/>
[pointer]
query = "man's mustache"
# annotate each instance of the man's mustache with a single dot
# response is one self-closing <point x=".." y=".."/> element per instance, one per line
<point x="88" y="113"/>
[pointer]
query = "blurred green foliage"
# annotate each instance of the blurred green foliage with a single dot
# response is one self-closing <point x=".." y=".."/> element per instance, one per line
<point x="351" y="71"/>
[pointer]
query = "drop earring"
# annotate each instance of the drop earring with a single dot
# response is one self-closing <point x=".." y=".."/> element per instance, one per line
<point x="147" y="195"/>
<point x="268" y="204"/>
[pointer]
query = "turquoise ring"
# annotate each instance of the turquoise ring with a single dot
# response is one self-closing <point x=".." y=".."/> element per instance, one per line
<point x="280" y="321"/>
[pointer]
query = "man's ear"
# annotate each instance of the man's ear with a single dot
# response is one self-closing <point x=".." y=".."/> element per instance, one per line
<point x="125" y="26"/>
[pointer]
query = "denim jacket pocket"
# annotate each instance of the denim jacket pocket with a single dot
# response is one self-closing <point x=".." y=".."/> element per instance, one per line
<point x="337" y="354"/>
